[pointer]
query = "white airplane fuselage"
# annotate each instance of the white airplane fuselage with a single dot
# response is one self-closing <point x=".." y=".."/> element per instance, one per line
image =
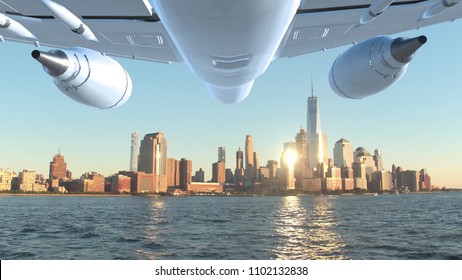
<point x="227" y="43"/>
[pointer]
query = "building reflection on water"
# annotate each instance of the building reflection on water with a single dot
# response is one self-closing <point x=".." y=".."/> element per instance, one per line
<point x="270" y="228"/>
<point x="305" y="229"/>
<point x="153" y="240"/>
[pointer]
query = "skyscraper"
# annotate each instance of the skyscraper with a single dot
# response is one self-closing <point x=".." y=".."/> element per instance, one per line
<point x="58" y="167"/>
<point x="58" y="170"/>
<point x="317" y="141"/>
<point x="222" y="154"/>
<point x="173" y="172"/>
<point x="256" y="165"/>
<point x="185" y="173"/>
<point x="199" y="176"/>
<point x="239" y="172"/>
<point x="378" y="159"/>
<point x="218" y="172"/>
<point x="343" y="153"/>
<point x="363" y="156"/>
<point x="249" y="163"/>
<point x="134" y="152"/>
<point x="153" y="159"/>
<point x="302" y="144"/>
<point x="239" y="159"/>
<point x="288" y="159"/>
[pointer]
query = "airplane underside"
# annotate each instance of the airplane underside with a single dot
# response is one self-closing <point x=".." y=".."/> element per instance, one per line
<point x="227" y="46"/>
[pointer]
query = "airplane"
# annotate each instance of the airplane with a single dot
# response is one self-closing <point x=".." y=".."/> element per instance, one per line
<point x="227" y="44"/>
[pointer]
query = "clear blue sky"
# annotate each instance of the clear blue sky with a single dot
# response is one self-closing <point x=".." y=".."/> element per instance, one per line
<point x="416" y="122"/>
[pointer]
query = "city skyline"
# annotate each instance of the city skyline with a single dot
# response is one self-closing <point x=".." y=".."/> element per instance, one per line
<point x="294" y="172"/>
<point x="412" y="122"/>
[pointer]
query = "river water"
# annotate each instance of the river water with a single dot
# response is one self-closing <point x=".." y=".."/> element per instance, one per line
<point x="412" y="226"/>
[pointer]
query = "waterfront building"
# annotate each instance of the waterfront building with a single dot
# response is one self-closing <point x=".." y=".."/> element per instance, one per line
<point x="360" y="183"/>
<point x="311" y="185"/>
<point x="273" y="168"/>
<point x="30" y="182"/>
<point x="343" y="153"/>
<point x="205" y="188"/>
<point x="134" y="152"/>
<point x="92" y="182"/>
<point x="26" y="180"/>
<point x="58" y="171"/>
<point x="363" y="156"/>
<point x="239" y="171"/>
<point x="264" y="174"/>
<point x="199" y="176"/>
<point x="256" y="164"/>
<point x="378" y="159"/>
<point x="360" y="175"/>
<point x="425" y="183"/>
<point x="173" y="172"/>
<point x="229" y="176"/>
<point x="140" y="182"/>
<point x="120" y="184"/>
<point x="239" y="159"/>
<point x="398" y="178"/>
<point x="218" y="172"/>
<point x="249" y="160"/>
<point x="301" y="148"/>
<point x="334" y="179"/>
<point x="153" y="159"/>
<point x="58" y="167"/>
<point x="222" y="154"/>
<point x="347" y="172"/>
<point x="301" y="164"/>
<point x="409" y="180"/>
<point x="185" y="173"/>
<point x="348" y="184"/>
<point x="6" y="179"/>
<point x="317" y="141"/>
<point x="380" y="181"/>
<point x="288" y="160"/>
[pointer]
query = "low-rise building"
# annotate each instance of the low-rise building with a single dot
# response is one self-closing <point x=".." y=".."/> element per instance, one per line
<point x="6" y="179"/>
<point x="205" y="188"/>
<point x="120" y="184"/>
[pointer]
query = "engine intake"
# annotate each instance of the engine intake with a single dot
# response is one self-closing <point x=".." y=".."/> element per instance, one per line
<point x="372" y="65"/>
<point x="87" y="76"/>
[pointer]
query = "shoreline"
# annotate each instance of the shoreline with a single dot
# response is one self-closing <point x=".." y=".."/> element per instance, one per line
<point x="216" y="195"/>
<point x="83" y="195"/>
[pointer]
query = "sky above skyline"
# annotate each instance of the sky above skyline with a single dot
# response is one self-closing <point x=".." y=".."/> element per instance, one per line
<point x="415" y="122"/>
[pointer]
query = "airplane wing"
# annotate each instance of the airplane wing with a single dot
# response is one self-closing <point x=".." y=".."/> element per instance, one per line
<point x="227" y="44"/>
<point x="325" y="24"/>
<point x="132" y="29"/>
<point x="125" y="28"/>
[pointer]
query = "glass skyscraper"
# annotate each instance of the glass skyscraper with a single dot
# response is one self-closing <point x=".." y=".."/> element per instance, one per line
<point x="153" y="159"/>
<point x="317" y="141"/>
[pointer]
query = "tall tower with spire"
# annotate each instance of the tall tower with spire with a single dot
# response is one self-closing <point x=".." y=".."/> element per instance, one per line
<point x="317" y="141"/>
<point x="314" y="120"/>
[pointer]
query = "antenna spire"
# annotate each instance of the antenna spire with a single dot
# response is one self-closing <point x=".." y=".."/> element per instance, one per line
<point x="312" y="89"/>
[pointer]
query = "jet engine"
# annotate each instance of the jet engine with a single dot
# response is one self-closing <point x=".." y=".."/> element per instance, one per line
<point x="87" y="76"/>
<point x="372" y="65"/>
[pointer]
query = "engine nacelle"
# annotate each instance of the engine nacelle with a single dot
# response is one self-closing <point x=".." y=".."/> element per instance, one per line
<point x="372" y="65"/>
<point x="87" y="76"/>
